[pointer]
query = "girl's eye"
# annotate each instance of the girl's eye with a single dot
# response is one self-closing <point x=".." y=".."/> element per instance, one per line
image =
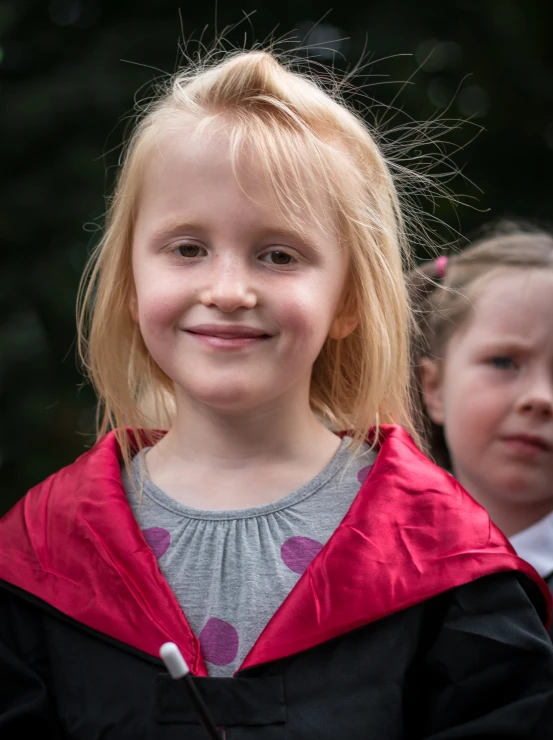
<point x="278" y="258"/>
<point x="189" y="251"/>
<point x="502" y="362"/>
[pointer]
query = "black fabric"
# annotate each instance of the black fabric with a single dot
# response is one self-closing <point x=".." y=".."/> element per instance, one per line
<point x="549" y="580"/>
<point x="473" y="663"/>
<point x="233" y="701"/>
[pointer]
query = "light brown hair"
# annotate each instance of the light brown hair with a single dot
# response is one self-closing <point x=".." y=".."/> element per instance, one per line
<point x="443" y="291"/>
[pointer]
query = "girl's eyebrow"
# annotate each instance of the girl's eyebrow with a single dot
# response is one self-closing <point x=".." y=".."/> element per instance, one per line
<point x="172" y="228"/>
<point x="278" y="233"/>
<point x="508" y="342"/>
<point x="291" y="235"/>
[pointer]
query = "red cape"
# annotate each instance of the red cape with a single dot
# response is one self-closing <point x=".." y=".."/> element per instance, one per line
<point x="411" y="533"/>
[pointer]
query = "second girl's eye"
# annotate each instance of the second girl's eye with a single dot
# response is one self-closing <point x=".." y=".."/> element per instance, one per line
<point x="189" y="251"/>
<point x="276" y="257"/>
<point x="502" y="362"/>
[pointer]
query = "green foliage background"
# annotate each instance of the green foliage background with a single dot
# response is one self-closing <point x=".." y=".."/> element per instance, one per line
<point x="66" y="91"/>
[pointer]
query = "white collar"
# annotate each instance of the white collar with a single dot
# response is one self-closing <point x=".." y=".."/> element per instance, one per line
<point x="535" y="545"/>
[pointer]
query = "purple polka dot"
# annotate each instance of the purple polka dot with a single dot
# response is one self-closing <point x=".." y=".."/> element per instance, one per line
<point x="219" y="641"/>
<point x="158" y="538"/>
<point x="363" y="473"/>
<point x="298" y="552"/>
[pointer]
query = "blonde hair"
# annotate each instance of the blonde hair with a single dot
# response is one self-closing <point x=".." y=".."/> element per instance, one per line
<point x="444" y="291"/>
<point x="306" y="143"/>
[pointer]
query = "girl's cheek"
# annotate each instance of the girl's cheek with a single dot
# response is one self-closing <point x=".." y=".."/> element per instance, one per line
<point x="310" y="312"/>
<point x="158" y="309"/>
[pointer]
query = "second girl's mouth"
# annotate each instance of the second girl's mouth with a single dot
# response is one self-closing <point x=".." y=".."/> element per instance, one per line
<point x="528" y="443"/>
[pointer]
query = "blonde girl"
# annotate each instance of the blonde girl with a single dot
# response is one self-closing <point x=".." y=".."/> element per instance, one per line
<point x="320" y="576"/>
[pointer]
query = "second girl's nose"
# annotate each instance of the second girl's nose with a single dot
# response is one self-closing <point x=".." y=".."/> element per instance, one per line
<point x="538" y="399"/>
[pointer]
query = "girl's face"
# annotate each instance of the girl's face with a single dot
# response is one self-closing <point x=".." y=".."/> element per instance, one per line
<point x="493" y="393"/>
<point x="234" y="304"/>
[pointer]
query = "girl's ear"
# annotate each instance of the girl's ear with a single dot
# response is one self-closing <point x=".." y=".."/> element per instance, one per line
<point x="343" y="325"/>
<point x="430" y="376"/>
<point x="346" y="319"/>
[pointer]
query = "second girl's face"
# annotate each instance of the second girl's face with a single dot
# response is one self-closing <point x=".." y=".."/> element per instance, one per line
<point x="494" y="392"/>
<point x="234" y="304"/>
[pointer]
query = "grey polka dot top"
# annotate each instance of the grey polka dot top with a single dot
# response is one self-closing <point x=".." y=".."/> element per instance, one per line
<point x="231" y="570"/>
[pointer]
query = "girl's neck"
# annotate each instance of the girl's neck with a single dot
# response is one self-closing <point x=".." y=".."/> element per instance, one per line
<point x="517" y="517"/>
<point x="258" y="456"/>
<point x="278" y="429"/>
<point x="511" y="517"/>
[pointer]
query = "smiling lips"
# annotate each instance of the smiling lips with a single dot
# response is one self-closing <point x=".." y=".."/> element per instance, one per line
<point x="227" y="336"/>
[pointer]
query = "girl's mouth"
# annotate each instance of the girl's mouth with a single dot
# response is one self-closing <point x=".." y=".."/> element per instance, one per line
<point x="227" y="336"/>
<point x="528" y="443"/>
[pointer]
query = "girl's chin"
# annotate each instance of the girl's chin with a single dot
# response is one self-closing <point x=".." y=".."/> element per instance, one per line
<point x="524" y="490"/>
<point x="241" y="390"/>
<point x="228" y="399"/>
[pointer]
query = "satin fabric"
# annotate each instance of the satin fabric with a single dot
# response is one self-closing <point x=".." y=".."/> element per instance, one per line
<point x="411" y="533"/>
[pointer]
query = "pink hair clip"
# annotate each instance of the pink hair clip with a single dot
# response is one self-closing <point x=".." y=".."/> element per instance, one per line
<point x="441" y="266"/>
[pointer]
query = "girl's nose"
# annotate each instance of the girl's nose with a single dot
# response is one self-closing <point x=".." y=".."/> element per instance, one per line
<point x="538" y="399"/>
<point x="228" y="287"/>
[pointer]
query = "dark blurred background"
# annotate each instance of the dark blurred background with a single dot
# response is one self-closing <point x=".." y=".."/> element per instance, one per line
<point x="69" y="71"/>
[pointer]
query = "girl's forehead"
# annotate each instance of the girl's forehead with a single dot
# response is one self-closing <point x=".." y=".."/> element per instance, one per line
<point x="188" y="163"/>
<point x="515" y="302"/>
<point x="518" y="287"/>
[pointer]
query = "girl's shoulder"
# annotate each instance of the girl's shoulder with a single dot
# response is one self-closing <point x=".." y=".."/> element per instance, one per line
<point x="401" y="468"/>
<point x="93" y="476"/>
<point x="75" y="534"/>
<point x="417" y="515"/>
<point x="65" y="516"/>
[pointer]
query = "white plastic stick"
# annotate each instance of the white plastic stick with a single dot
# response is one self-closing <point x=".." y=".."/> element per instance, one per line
<point x="174" y="662"/>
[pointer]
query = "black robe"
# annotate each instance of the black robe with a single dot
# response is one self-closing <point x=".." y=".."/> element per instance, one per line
<point x="415" y="621"/>
<point x="549" y="581"/>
